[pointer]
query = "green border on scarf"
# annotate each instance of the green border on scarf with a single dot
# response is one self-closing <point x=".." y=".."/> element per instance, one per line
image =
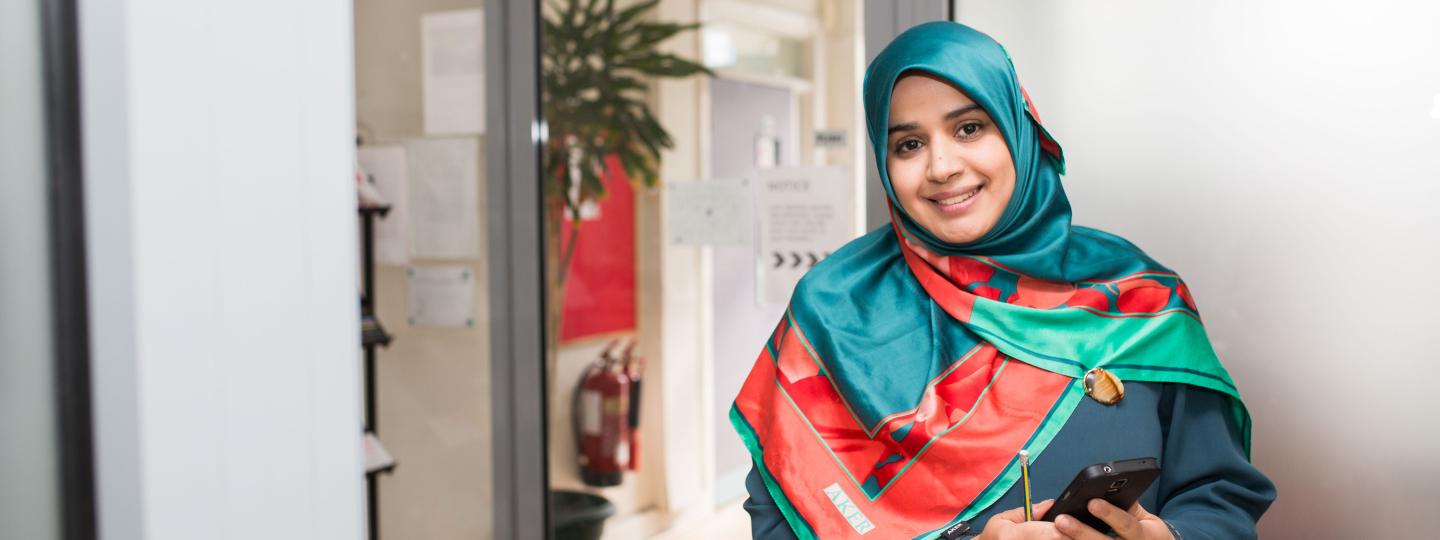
<point x="792" y="517"/>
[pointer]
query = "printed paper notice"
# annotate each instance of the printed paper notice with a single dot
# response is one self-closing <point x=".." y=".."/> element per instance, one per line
<point x="709" y="212"/>
<point x="442" y="296"/>
<point x="389" y="168"/>
<point x="444" y="198"/>
<point x="804" y="216"/>
<point x="452" y="70"/>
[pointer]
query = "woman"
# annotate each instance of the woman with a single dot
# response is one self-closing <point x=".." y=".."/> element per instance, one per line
<point x="916" y="362"/>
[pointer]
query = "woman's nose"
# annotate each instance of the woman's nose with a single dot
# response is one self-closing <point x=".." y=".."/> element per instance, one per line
<point x="945" y="161"/>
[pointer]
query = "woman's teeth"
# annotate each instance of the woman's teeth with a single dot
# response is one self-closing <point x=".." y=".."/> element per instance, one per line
<point x="959" y="198"/>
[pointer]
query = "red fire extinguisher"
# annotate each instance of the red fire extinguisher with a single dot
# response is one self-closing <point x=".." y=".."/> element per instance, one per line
<point x="602" y="420"/>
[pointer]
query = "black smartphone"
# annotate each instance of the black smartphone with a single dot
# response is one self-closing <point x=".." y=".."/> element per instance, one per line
<point x="1119" y="482"/>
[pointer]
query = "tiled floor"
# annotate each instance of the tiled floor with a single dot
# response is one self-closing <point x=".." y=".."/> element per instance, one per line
<point x="730" y="523"/>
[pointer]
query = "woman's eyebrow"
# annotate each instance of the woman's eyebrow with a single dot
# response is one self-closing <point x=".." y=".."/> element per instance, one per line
<point x="962" y="111"/>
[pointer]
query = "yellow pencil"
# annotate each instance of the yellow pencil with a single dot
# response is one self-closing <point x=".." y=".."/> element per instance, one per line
<point x="1025" y="478"/>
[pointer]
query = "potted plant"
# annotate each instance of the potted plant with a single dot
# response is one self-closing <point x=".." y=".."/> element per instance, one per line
<point x="596" y="63"/>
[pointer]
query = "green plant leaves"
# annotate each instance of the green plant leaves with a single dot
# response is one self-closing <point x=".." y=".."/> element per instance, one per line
<point x="594" y="66"/>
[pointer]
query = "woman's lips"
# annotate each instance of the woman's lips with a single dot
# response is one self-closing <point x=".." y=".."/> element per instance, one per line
<point x="956" y="201"/>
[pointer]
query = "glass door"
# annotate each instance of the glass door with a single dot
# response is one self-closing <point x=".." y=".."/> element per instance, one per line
<point x="689" y="146"/>
<point x="423" y="159"/>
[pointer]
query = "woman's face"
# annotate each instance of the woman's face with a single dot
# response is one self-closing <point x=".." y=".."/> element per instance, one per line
<point x="948" y="162"/>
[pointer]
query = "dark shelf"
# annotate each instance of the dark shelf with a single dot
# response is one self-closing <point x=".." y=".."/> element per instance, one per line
<point x="372" y="333"/>
<point x="375" y="210"/>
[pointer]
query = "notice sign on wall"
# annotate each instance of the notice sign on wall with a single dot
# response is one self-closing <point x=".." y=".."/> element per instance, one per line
<point x="714" y="212"/>
<point x="805" y="214"/>
<point x="441" y="296"/>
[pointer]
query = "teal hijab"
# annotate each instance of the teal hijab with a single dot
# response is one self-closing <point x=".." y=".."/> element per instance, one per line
<point x="1033" y="235"/>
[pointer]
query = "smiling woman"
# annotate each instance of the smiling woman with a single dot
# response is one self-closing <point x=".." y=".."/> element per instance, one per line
<point x="915" y="363"/>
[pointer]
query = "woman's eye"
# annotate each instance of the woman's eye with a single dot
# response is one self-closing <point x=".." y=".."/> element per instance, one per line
<point x="968" y="130"/>
<point x="907" y="146"/>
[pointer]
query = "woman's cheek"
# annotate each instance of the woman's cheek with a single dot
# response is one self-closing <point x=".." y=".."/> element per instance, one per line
<point x="905" y="181"/>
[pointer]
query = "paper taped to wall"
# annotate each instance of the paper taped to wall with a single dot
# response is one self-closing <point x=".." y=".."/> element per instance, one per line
<point x="453" y="71"/>
<point x="710" y="212"/>
<point x="390" y="170"/>
<point x="444" y="201"/>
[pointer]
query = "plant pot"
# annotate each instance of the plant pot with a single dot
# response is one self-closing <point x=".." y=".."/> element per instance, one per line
<point x="576" y="515"/>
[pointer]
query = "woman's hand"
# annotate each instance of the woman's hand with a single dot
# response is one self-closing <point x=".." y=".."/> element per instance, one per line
<point x="1136" y="524"/>
<point x="1011" y="525"/>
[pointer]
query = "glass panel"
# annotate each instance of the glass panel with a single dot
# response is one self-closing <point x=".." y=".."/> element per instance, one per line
<point x="29" y="494"/>
<point x="419" y="115"/>
<point x="671" y="191"/>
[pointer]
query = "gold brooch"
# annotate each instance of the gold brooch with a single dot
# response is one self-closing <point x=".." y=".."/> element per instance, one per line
<point x="1104" y="386"/>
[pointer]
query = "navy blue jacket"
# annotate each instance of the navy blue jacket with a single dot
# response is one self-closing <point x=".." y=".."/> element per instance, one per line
<point x="1207" y="487"/>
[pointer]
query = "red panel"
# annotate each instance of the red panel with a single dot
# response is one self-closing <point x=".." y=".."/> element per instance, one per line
<point x="600" y="290"/>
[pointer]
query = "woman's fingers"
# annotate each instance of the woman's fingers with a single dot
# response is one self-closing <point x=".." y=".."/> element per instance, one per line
<point x="1013" y="515"/>
<point x="1040" y="509"/>
<point x="1075" y="530"/>
<point x="1140" y="513"/>
<point x="1126" y="524"/>
<point x="1135" y="524"/>
<point x="1017" y="514"/>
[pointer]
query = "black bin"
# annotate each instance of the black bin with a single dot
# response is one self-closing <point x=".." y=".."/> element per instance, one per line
<point x="576" y="515"/>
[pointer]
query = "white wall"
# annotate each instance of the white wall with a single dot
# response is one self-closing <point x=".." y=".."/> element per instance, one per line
<point x="218" y="150"/>
<point x="1284" y="158"/>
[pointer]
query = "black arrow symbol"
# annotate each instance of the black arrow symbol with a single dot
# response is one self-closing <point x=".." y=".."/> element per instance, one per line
<point x="796" y="262"/>
<point x="779" y="259"/>
<point x="813" y="260"/>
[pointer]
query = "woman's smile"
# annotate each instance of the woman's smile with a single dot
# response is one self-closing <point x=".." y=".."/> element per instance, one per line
<point x="957" y="200"/>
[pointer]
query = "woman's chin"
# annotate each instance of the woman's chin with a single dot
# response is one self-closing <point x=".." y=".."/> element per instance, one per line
<point x="955" y="231"/>
<point x="959" y="237"/>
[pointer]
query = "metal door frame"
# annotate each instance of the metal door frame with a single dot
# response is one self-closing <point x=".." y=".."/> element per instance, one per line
<point x="514" y="136"/>
<point x="885" y="19"/>
<point x="69" y="294"/>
